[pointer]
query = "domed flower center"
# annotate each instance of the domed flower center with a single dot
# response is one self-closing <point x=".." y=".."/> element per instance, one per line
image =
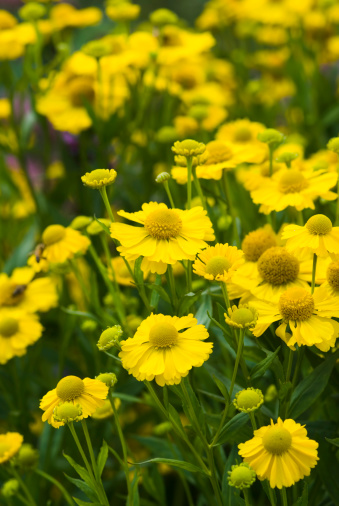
<point x="242" y="316"/>
<point x="8" y="327"/>
<point x="277" y="440"/>
<point x="242" y="134"/>
<point x="277" y="266"/>
<point x="292" y="181"/>
<point x="4" y="447"/>
<point x="319" y="225"/>
<point x="217" y="266"/>
<point x="67" y="412"/>
<point x="333" y="275"/>
<point x="241" y="475"/>
<point x="256" y="242"/>
<point x="218" y="152"/>
<point x="163" y="224"/>
<point x="296" y="304"/>
<point x="163" y="335"/>
<point x="248" y="399"/>
<point x="69" y="388"/>
<point x="53" y="234"/>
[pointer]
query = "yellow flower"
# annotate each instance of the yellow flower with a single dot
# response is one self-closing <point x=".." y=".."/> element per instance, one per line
<point x="62" y="243"/>
<point x="248" y="400"/>
<point x="121" y="273"/>
<point x="88" y="393"/>
<point x="10" y="47"/>
<point x="99" y="178"/>
<point x="242" y="134"/>
<point x="317" y="236"/>
<point x="18" y="330"/>
<point x="65" y="15"/>
<point x="106" y="410"/>
<point x="9" y="445"/>
<point x="5" y="108"/>
<point x="123" y="11"/>
<point x="7" y="20"/>
<point x="295" y="188"/>
<point x="162" y="351"/>
<point x="307" y="316"/>
<point x="220" y="156"/>
<point x="188" y="148"/>
<point x="166" y="235"/>
<point x="218" y="263"/>
<point x="281" y="453"/>
<point x="25" y="293"/>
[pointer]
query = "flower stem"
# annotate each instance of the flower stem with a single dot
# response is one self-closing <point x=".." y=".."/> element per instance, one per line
<point x="103" y="194"/>
<point x="55" y="482"/>
<point x="230" y="208"/>
<point x="314" y="268"/>
<point x="253" y="422"/>
<point x="189" y="181"/>
<point x="237" y="360"/>
<point x="28" y="495"/>
<point x="81" y="451"/>
<point x="172" y="285"/>
<point x="199" y="190"/>
<point x="283" y="496"/>
<point x="225" y="294"/>
<point x="246" y="497"/>
<point x="169" y="195"/>
<point x="289" y="365"/>
<point x="271" y="151"/>
<point x="270" y="491"/>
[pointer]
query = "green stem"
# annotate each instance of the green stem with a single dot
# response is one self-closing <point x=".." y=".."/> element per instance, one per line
<point x="271" y="151"/>
<point x="213" y="477"/>
<point x="28" y="495"/>
<point x="199" y="190"/>
<point x="270" y="491"/>
<point x="230" y="208"/>
<point x="314" y="268"/>
<point x="169" y="195"/>
<point x="246" y="497"/>
<point x="55" y="482"/>
<point x="189" y="181"/>
<point x="172" y="285"/>
<point x="103" y="193"/>
<point x="225" y="294"/>
<point x="81" y="451"/>
<point x="253" y="422"/>
<point x="80" y="280"/>
<point x="114" y="287"/>
<point x="289" y="365"/>
<point x="284" y="496"/>
<point x="237" y="360"/>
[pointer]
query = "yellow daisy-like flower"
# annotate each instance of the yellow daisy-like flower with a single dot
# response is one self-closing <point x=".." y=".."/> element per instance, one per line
<point x="62" y="243"/>
<point x="166" y="235"/>
<point x="242" y="134"/>
<point x="163" y="350"/>
<point x="278" y="270"/>
<point x="218" y="263"/>
<point x="295" y="188"/>
<point x="317" y="236"/>
<point x="188" y="147"/>
<point x="10" y="444"/>
<point x="121" y="273"/>
<point x="106" y="410"/>
<point x="242" y="317"/>
<point x="307" y="315"/>
<point x="88" y="393"/>
<point x="281" y="453"/>
<point x="17" y="331"/>
<point x="99" y="177"/>
<point x="23" y="292"/>
<point x="220" y="156"/>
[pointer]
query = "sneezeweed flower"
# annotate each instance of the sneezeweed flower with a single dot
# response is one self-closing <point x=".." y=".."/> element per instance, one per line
<point x="332" y="279"/>
<point x="271" y="393"/>
<point x="106" y="410"/>
<point x="97" y="48"/>
<point x="241" y="476"/>
<point x="166" y="235"/>
<point x="248" y="400"/>
<point x="122" y="11"/>
<point x="66" y="412"/>
<point x="220" y="156"/>
<point x="10" y="488"/>
<point x="18" y="330"/>
<point x="281" y="453"/>
<point x="98" y="178"/>
<point x="316" y="236"/>
<point x="333" y="145"/>
<point x="188" y="148"/>
<point x="10" y="444"/>
<point x="307" y="315"/>
<point x="242" y="135"/>
<point x="88" y="393"/>
<point x="287" y="158"/>
<point x="27" y="457"/>
<point x="162" y="17"/>
<point x="165" y="348"/>
<point x="109" y="338"/>
<point x="94" y="228"/>
<point x="271" y="137"/>
<point x="295" y="188"/>
<point x="218" y="263"/>
<point x="255" y="243"/>
<point x="81" y="222"/>
<point x="109" y="378"/>
<point x="32" y="11"/>
<point x="242" y="317"/>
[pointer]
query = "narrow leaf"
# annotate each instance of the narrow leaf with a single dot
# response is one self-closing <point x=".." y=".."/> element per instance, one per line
<point x="175" y="463"/>
<point x="102" y="457"/>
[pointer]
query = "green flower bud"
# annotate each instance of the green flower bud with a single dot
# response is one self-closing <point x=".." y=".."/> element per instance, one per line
<point x="162" y="17"/>
<point x="109" y="378"/>
<point x="10" y="488"/>
<point x="333" y="145"/>
<point x="248" y="400"/>
<point x="109" y="337"/>
<point x="32" y="11"/>
<point x="188" y="147"/>
<point x="27" y="457"/>
<point x="241" y="476"/>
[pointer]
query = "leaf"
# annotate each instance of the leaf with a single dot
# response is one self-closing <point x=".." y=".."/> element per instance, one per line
<point x="135" y="499"/>
<point x="328" y="472"/>
<point x="174" y="463"/>
<point x="138" y="273"/>
<point x="126" y="397"/>
<point x="80" y="313"/>
<point x="19" y="256"/>
<point x="260" y="369"/>
<point x="84" y="487"/>
<point x="222" y="388"/>
<point x="82" y="472"/>
<point x="202" y="315"/>
<point x="311" y="387"/>
<point x="102" y="457"/>
<point x="103" y="226"/>
<point x="160" y="290"/>
<point x="334" y="442"/>
<point x="231" y="428"/>
<point x="85" y="503"/>
<point x="198" y="412"/>
<point x="303" y="499"/>
<point x="229" y="493"/>
<point x="187" y="300"/>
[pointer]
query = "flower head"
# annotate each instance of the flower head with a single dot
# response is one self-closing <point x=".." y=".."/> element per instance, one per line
<point x="10" y="444"/>
<point x="188" y="148"/>
<point x="218" y="263"/>
<point x="87" y="393"/>
<point x="281" y="453"/>
<point x="242" y="317"/>
<point x="109" y="378"/>
<point x="28" y="457"/>
<point x="248" y="400"/>
<point x="255" y="243"/>
<point x="109" y="337"/>
<point x="165" y="348"/>
<point x="67" y="412"/>
<point x="10" y="488"/>
<point x="99" y="177"/>
<point x="241" y="476"/>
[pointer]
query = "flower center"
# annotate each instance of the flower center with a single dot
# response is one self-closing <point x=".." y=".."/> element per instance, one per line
<point x="242" y="316"/>
<point x="217" y="152"/>
<point x="256" y="242"/>
<point x="97" y="174"/>
<point x="277" y="266"/>
<point x="53" y="234"/>
<point x="163" y="223"/>
<point x="333" y="275"/>
<point x="248" y="399"/>
<point x="217" y="266"/>
<point x="69" y="388"/>
<point x="277" y="440"/>
<point x="292" y="181"/>
<point x="319" y="225"/>
<point x="163" y="335"/>
<point x="8" y="327"/>
<point x="241" y="475"/>
<point x="296" y="304"/>
<point x="242" y="134"/>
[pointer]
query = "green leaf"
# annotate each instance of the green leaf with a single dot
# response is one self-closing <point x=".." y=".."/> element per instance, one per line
<point x="198" y="412"/>
<point x="85" y="503"/>
<point x="82" y="472"/>
<point x="126" y="397"/>
<point x="160" y="290"/>
<point x="229" y="493"/>
<point x="334" y="442"/>
<point x="102" y="457"/>
<point x="103" y="226"/>
<point x="260" y="369"/>
<point x="311" y="387"/>
<point x="138" y="273"/>
<point x="203" y="310"/>
<point x="175" y="463"/>
<point x="303" y="499"/>
<point x="222" y="388"/>
<point x="135" y="499"/>
<point x="84" y="487"/>
<point x="328" y="472"/>
<point x="20" y="255"/>
<point x="83" y="314"/>
<point x="187" y="300"/>
<point x="231" y="428"/>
